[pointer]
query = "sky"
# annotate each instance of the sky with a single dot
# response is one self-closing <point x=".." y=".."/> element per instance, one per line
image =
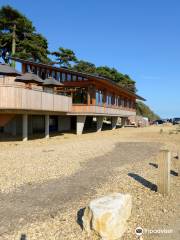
<point x="140" y="38"/>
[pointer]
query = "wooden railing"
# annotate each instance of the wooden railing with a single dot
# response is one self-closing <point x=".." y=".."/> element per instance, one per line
<point x="20" y="98"/>
<point x="102" y="110"/>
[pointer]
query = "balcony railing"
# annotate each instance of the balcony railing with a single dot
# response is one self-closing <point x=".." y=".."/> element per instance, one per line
<point x="102" y="110"/>
<point x="16" y="97"/>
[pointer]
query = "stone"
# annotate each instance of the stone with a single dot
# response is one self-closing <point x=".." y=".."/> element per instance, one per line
<point x="107" y="216"/>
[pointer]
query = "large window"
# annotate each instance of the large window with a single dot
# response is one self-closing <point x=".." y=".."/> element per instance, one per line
<point x="28" y="68"/>
<point x="58" y="76"/>
<point x="80" y="96"/>
<point x="53" y="74"/>
<point x="122" y="102"/>
<point x="108" y="99"/>
<point x="63" y="77"/>
<point x="79" y="78"/>
<point x="99" y="97"/>
<point x="68" y="77"/>
<point x="74" y="77"/>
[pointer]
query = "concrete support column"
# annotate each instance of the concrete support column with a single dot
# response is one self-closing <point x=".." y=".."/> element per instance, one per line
<point x="114" y="122"/>
<point x="46" y="126"/>
<point x="25" y="127"/>
<point x="59" y="123"/>
<point x="80" y="124"/>
<point x="99" y="123"/>
<point x="14" y="129"/>
<point x="123" y="121"/>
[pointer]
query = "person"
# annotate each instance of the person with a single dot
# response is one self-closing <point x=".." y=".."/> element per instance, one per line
<point x="5" y="55"/>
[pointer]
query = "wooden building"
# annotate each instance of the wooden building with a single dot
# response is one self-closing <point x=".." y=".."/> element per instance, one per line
<point x="62" y="97"/>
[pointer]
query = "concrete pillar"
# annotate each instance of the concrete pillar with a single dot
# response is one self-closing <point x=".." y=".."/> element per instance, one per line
<point x="46" y="126"/>
<point x="99" y="123"/>
<point x="25" y="127"/>
<point x="30" y="125"/>
<point x="14" y="129"/>
<point x="80" y="124"/>
<point x="114" y="122"/>
<point x="123" y="121"/>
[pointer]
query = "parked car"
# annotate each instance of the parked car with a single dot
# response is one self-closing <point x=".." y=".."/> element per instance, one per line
<point x="176" y="121"/>
<point x="159" y="121"/>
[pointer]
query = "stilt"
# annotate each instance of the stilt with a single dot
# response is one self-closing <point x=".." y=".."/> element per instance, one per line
<point x="46" y="126"/>
<point x="114" y="122"/>
<point x="99" y="123"/>
<point x="25" y="127"/>
<point x="80" y="124"/>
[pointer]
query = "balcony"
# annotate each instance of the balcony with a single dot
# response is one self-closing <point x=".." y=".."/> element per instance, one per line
<point x="17" y="97"/>
<point x="83" y="109"/>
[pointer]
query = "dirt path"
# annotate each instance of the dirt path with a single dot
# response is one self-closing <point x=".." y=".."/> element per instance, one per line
<point x="37" y="201"/>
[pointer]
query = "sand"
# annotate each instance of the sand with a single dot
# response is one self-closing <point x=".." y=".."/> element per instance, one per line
<point x="40" y="162"/>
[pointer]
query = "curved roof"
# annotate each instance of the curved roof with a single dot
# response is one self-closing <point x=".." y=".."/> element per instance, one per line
<point x="86" y="75"/>
<point x="29" y="78"/>
<point x="6" y="69"/>
<point x="51" y="82"/>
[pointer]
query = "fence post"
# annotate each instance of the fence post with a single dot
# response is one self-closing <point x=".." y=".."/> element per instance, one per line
<point x="164" y="172"/>
<point x="178" y="163"/>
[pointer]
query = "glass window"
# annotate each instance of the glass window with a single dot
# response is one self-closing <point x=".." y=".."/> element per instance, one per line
<point x="79" y="78"/>
<point x="63" y="77"/>
<point x="125" y="102"/>
<point x="69" y="77"/>
<point x="58" y="76"/>
<point x="80" y="96"/>
<point x="53" y="74"/>
<point x="119" y="101"/>
<point x="122" y="102"/>
<point x="28" y="68"/>
<point x="74" y="77"/>
<point x="34" y="70"/>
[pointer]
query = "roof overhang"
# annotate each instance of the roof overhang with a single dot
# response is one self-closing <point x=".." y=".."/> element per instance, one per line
<point x="86" y="75"/>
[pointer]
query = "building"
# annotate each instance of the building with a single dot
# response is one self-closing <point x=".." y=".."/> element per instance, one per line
<point x="45" y="98"/>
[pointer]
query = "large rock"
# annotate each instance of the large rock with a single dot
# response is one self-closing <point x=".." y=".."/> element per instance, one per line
<point x="107" y="216"/>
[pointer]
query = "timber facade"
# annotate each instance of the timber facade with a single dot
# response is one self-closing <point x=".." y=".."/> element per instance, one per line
<point x="27" y="108"/>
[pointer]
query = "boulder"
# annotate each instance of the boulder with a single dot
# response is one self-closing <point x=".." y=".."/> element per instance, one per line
<point x="107" y="216"/>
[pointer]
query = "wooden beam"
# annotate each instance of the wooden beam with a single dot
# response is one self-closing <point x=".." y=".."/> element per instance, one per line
<point x="164" y="172"/>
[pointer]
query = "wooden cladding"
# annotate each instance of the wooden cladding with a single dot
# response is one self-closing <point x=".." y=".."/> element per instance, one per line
<point x="101" y="110"/>
<point x="14" y="97"/>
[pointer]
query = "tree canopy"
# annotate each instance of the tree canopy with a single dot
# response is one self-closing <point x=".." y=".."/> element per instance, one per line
<point x="64" y="57"/>
<point x="107" y="72"/>
<point x="28" y="43"/>
<point x="143" y="110"/>
<point x="18" y="36"/>
<point x="83" y="66"/>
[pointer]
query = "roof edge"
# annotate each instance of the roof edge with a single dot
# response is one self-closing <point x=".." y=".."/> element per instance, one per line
<point x="81" y="73"/>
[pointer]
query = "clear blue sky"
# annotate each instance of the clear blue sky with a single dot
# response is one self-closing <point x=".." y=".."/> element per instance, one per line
<point x="138" y="37"/>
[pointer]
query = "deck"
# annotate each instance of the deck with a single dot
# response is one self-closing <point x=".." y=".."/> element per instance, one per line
<point x="83" y="109"/>
<point x="14" y="97"/>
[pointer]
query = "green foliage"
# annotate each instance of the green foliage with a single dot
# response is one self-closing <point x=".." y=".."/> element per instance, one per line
<point x="64" y="56"/>
<point x="83" y="66"/>
<point x="29" y="43"/>
<point x="106" y="72"/>
<point x="143" y="110"/>
<point x="116" y="76"/>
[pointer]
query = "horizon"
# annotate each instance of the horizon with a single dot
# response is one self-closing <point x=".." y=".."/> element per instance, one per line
<point x="143" y="45"/>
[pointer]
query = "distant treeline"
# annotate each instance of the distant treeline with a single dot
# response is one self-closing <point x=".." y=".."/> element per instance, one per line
<point x="143" y="110"/>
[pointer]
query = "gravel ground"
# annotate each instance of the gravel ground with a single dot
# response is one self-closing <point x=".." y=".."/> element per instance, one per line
<point x="38" y="161"/>
<point x="31" y="207"/>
